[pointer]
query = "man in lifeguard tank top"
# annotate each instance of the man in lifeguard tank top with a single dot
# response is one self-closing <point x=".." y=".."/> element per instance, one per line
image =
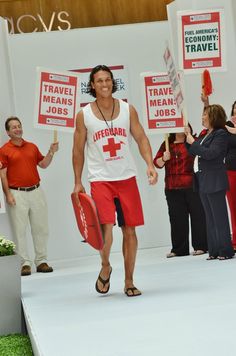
<point x="106" y="127"/>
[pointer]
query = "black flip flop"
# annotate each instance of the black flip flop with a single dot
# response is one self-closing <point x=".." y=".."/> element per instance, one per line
<point x="132" y="290"/>
<point x="104" y="282"/>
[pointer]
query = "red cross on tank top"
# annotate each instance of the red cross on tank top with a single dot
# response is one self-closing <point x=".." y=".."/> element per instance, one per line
<point x="112" y="147"/>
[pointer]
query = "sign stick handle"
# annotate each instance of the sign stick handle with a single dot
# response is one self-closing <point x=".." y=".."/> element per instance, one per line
<point x="184" y="113"/>
<point x="167" y="142"/>
<point x="55" y="138"/>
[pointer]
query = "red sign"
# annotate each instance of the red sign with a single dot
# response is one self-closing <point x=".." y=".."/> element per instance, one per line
<point x="202" y="39"/>
<point x="57" y="100"/>
<point x="161" y="112"/>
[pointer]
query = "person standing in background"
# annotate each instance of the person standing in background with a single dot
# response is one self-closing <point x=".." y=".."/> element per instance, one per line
<point x="26" y="200"/>
<point x="230" y="162"/>
<point x="183" y="203"/>
<point x="211" y="179"/>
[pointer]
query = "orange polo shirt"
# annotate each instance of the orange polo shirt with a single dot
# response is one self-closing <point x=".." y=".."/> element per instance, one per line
<point x="21" y="163"/>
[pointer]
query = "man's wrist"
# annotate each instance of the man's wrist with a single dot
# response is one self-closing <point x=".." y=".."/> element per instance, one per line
<point x="51" y="153"/>
<point x="163" y="159"/>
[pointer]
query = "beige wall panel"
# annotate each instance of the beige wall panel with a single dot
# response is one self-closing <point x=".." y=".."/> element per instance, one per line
<point x="13" y="10"/>
<point x="45" y="15"/>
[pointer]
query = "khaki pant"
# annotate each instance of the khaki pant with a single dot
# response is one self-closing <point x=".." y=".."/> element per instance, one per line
<point x="30" y="207"/>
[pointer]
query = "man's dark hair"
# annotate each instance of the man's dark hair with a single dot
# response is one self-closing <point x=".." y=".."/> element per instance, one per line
<point x="96" y="69"/>
<point x="7" y="122"/>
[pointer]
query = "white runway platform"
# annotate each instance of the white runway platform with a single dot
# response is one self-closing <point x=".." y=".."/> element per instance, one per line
<point x="188" y="308"/>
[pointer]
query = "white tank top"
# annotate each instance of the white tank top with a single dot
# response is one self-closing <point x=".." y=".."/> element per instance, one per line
<point x="108" y="149"/>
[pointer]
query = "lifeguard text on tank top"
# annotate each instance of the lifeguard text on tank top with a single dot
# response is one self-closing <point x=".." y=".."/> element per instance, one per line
<point x="108" y="149"/>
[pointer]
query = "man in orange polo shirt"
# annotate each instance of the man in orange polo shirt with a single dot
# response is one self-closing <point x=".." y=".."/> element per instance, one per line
<point x="21" y="185"/>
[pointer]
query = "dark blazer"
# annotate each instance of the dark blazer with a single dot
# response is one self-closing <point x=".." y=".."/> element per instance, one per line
<point x="211" y="176"/>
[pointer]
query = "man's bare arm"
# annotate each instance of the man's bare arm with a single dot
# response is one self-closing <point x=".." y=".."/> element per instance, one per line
<point x="80" y="138"/>
<point x="145" y="150"/>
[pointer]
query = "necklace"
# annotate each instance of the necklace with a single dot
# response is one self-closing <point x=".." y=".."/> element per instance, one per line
<point x="112" y="113"/>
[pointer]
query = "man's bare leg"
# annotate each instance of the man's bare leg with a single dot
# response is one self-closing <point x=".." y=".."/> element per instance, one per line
<point x="130" y="245"/>
<point x="105" y="257"/>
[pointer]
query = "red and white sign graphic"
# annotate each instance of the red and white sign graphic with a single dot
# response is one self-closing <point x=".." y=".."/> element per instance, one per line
<point x="174" y="79"/>
<point x="201" y="39"/>
<point x="57" y="100"/>
<point x="161" y="114"/>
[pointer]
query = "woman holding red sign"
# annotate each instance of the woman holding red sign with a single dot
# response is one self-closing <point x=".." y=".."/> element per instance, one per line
<point x="182" y="201"/>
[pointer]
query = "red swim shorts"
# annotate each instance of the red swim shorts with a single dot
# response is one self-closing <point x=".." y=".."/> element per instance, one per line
<point x="103" y="194"/>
